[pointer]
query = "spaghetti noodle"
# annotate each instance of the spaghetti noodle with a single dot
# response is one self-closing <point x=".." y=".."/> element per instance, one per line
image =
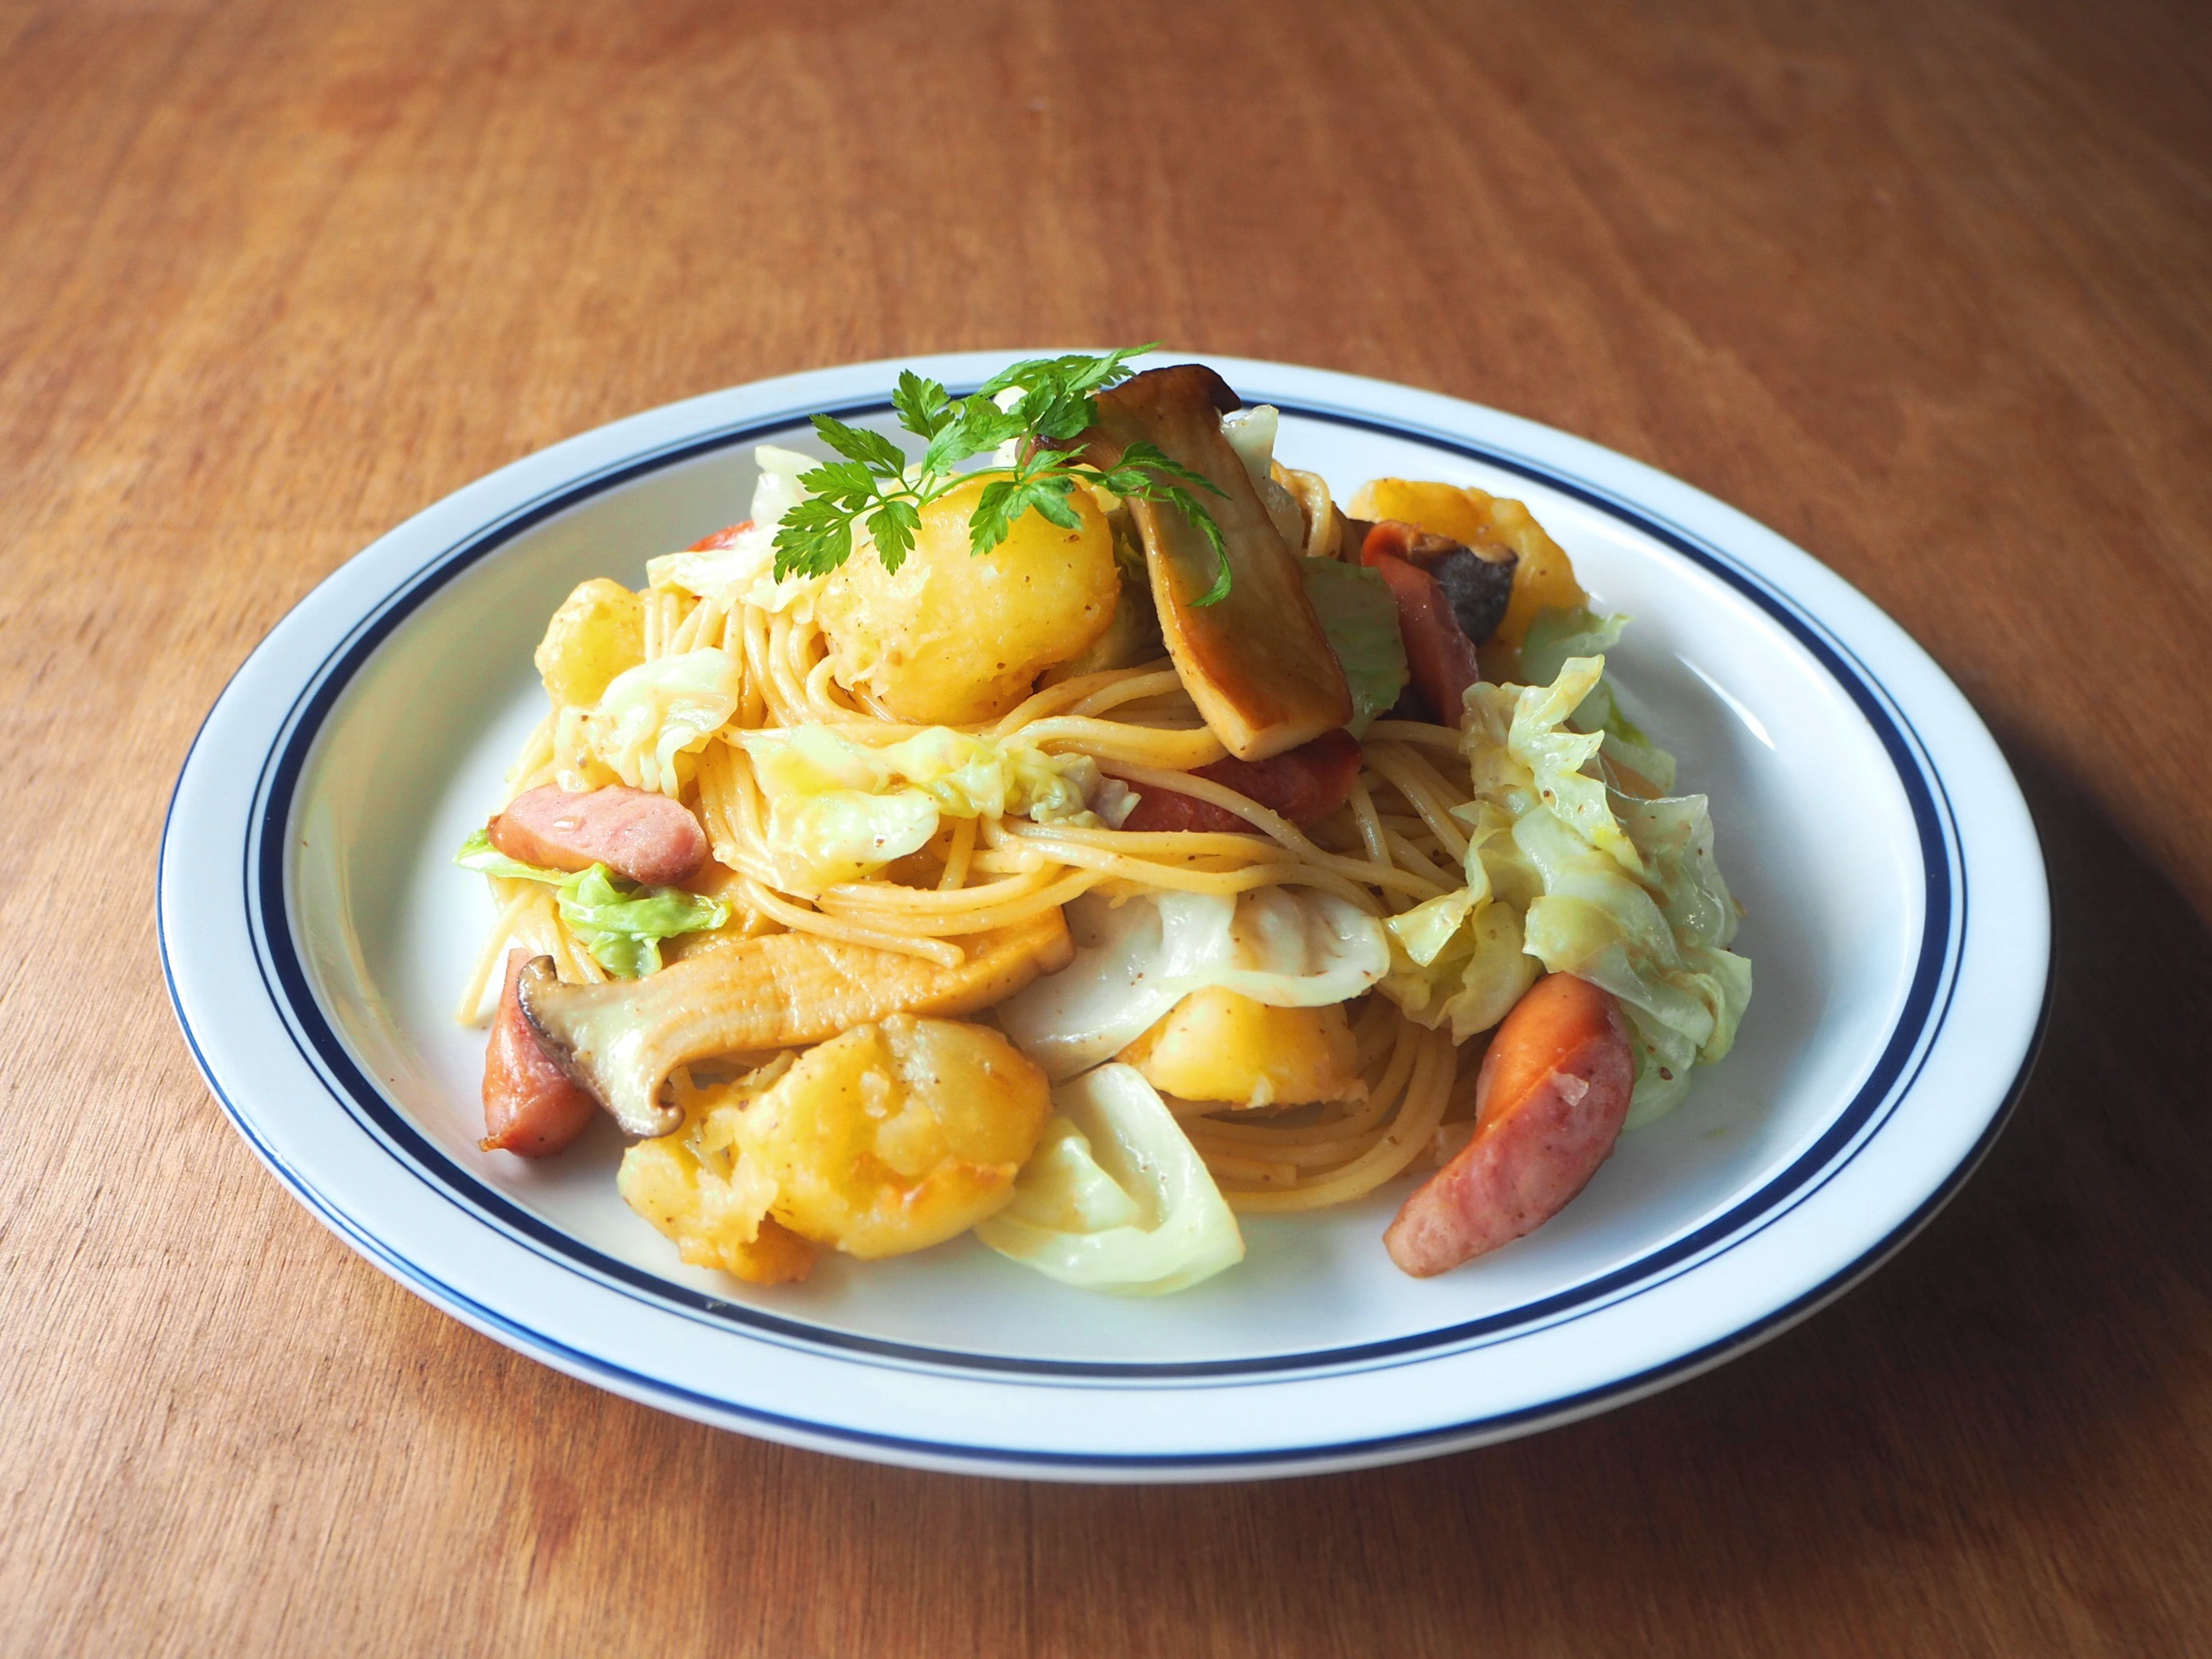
<point x="1392" y="848"/>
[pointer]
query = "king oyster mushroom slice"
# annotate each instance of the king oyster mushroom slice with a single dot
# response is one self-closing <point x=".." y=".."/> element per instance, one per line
<point x="621" y="1039"/>
<point x="1256" y="662"/>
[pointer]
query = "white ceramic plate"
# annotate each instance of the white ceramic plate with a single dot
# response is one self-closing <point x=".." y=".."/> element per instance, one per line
<point x="316" y="933"/>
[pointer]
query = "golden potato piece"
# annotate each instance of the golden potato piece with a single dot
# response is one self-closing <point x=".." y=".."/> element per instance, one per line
<point x="1544" y="578"/>
<point x="895" y="1137"/>
<point x="1217" y="1044"/>
<point x="598" y="632"/>
<point x="693" y="1188"/>
<point x="955" y="637"/>
<point x="1441" y="508"/>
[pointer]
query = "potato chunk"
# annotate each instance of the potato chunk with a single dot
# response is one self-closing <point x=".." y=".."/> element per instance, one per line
<point x="953" y="636"/>
<point x="1217" y="1044"/>
<point x="597" y="634"/>
<point x="1543" y="578"/>
<point x="895" y="1137"/>
<point x="696" y="1188"/>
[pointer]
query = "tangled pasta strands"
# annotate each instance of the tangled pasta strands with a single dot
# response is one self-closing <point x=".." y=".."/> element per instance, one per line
<point x="1395" y="844"/>
<point x="1311" y="1157"/>
<point x="529" y="916"/>
<point x="977" y="876"/>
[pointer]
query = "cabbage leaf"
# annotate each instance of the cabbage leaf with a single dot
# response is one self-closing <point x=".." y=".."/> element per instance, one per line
<point x="1464" y="961"/>
<point x="1116" y="1198"/>
<point x="838" y="811"/>
<point x="1251" y="432"/>
<point x="619" y="923"/>
<point x="1361" y="620"/>
<point x="651" y="713"/>
<point x="1563" y="873"/>
<point x="1555" y="635"/>
<point x="1137" y="956"/>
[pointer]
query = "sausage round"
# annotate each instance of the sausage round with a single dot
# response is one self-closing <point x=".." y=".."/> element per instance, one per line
<point x="635" y="833"/>
<point x="1549" y="1103"/>
<point x="1305" y="784"/>
<point x="532" y="1106"/>
<point x="1438" y="654"/>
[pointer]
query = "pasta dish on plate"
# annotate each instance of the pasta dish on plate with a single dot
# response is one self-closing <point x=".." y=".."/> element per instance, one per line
<point x="1084" y="834"/>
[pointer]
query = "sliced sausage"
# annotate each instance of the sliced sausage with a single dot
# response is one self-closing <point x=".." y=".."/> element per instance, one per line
<point x="532" y="1106"/>
<point x="1549" y="1103"/>
<point x="634" y="832"/>
<point x="1305" y="784"/>
<point x="1438" y="654"/>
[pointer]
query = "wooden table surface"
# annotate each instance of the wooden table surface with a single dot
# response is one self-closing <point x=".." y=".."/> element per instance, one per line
<point x="1927" y="287"/>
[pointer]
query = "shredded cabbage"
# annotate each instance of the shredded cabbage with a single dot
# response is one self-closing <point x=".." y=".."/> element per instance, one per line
<point x="1556" y="635"/>
<point x="1136" y="957"/>
<point x="1459" y="957"/>
<point x="619" y="923"/>
<point x="653" y="713"/>
<point x="1564" y="872"/>
<point x="1361" y="620"/>
<point x="744" y="571"/>
<point x="839" y="809"/>
<point x="1251" y="433"/>
<point x="1519" y="746"/>
<point x="1116" y="1198"/>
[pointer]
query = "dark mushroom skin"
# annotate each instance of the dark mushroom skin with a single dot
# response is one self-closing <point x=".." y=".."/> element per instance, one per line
<point x="1256" y="662"/>
<point x="1477" y="583"/>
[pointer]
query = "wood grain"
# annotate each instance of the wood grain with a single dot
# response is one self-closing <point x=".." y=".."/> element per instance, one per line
<point x="1927" y="287"/>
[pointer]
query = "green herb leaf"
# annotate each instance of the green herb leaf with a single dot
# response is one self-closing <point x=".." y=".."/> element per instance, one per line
<point x="1075" y="374"/>
<point x="977" y="427"/>
<point x="815" y="537"/>
<point x="893" y="527"/>
<point x="877" y="454"/>
<point x="988" y="524"/>
<point x="1058" y="392"/>
<point x="872" y="485"/>
<point x="1051" y="499"/>
<point x="923" y="405"/>
<point x="1150" y="458"/>
<point x="847" y="482"/>
<point x="1003" y="501"/>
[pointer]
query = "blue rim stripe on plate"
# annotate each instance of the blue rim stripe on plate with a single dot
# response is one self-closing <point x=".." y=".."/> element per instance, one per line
<point x="1916" y="1029"/>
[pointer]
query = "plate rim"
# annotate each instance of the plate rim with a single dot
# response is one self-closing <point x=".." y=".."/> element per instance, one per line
<point x="1881" y="1095"/>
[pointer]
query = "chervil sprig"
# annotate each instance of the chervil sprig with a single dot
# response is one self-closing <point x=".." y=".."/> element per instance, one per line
<point x="875" y="487"/>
